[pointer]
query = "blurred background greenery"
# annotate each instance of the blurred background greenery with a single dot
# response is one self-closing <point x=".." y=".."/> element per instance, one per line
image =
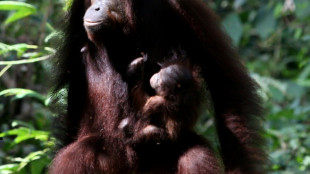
<point x="273" y="38"/>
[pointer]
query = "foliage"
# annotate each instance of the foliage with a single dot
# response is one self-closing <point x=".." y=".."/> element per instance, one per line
<point x="23" y="10"/>
<point x="273" y="38"/>
<point x="25" y="113"/>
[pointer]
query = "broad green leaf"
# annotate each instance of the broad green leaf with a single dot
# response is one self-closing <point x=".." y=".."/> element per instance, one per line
<point x="15" y="5"/>
<point x="265" y="23"/>
<point x="234" y="28"/>
<point x="22" y="10"/>
<point x="294" y="90"/>
<point x="8" y="168"/>
<point x="31" y="157"/>
<point x="276" y="93"/>
<point x="298" y="33"/>
<point x="23" y="134"/>
<point x="17" y="15"/>
<point x="37" y="166"/>
<point x="278" y="10"/>
<point x="22" y="93"/>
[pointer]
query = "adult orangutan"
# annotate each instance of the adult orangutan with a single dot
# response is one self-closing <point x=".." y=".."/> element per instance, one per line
<point x="137" y="73"/>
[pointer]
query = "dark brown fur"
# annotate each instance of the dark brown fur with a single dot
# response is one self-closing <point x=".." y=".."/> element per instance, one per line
<point x="101" y="93"/>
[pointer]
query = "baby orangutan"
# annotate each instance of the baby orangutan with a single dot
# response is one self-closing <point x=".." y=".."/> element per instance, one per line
<point x="161" y="137"/>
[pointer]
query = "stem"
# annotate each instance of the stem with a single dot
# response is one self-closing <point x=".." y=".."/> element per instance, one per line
<point x="18" y="62"/>
<point x="5" y="69"/>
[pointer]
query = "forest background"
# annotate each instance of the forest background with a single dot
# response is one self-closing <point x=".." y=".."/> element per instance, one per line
<point x="272" y="36"/>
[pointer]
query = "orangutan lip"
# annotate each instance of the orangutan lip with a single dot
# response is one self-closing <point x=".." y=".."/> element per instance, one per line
<point x="92" y="23"/>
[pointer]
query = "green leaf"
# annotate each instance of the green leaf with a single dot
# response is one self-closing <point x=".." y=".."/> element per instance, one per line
<point x="266" y="23"/>
<point x="278" y="10"/>
<point x="54" y="34"/>
<point x="298" y="33"/>
<point x="276" y="93"/>
<point x="294" y="90"/>
<point x="23" y="134"/>
<point x="19" y="48"/>
<point x="234" y="28"/>
<point x="68" y="4"/>
<point x="23" y="10"/>
<point x="8" y="168"/>
<point x="22" y="93"/>
<point x="31" y="157"/>
<point x="37" y="166"/>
